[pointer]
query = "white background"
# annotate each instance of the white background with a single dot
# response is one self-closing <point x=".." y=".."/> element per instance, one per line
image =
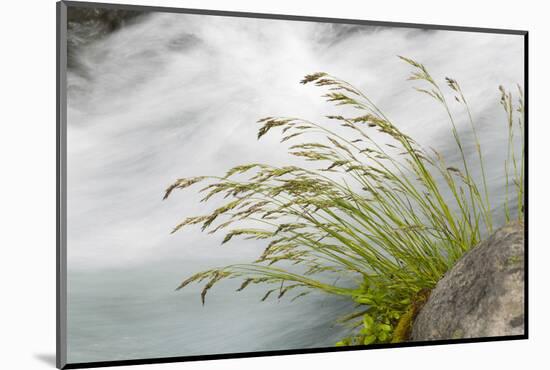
<point x="27" y="193"/>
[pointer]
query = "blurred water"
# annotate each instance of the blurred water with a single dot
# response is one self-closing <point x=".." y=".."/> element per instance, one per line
<point x="177" y="95"/>
<point x="127" y="313"/>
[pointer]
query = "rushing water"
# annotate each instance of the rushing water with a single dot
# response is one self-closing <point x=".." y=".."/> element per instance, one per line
<point x="178" y="95"/>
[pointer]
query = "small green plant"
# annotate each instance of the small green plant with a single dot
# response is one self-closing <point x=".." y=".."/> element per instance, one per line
<point x="367" y="219"/>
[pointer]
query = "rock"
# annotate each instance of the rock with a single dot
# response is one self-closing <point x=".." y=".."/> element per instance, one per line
<point x="482" y="295"/>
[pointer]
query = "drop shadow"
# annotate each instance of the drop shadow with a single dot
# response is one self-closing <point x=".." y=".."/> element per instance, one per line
<point x="47" y="358"/>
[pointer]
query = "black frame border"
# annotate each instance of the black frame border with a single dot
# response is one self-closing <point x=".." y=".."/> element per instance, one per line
<point x="61" y="171"/>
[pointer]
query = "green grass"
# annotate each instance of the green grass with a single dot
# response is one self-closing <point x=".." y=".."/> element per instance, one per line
<point x="367" y="219"/>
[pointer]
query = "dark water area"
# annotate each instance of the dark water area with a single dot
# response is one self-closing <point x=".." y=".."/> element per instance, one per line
<point x="86" y="25"/>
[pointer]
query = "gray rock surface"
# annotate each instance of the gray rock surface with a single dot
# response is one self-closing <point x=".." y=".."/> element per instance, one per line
<point x="482" y="295"/>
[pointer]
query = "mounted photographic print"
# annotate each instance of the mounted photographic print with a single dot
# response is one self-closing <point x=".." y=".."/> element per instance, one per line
<point x="238" y="184"/>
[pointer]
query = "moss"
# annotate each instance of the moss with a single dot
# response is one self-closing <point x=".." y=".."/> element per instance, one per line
<point x="404" y="325"/>
<point x="402" y="331"/>
<point x="515" y="260"/>
<point x="457" y="334"/>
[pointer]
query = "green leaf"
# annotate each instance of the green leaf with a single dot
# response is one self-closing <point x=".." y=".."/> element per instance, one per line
<point x="363" y="300"/>
<point x="344" y="342"/>
<point x="368" y="322"/>
<point x="369" y="340"/>
<point x="382" y="337"/>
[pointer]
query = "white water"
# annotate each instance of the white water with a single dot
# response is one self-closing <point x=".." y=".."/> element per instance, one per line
<point x="178" y="95"/>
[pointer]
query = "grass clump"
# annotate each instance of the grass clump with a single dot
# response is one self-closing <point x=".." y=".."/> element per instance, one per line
<point x="377" y="221"/>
